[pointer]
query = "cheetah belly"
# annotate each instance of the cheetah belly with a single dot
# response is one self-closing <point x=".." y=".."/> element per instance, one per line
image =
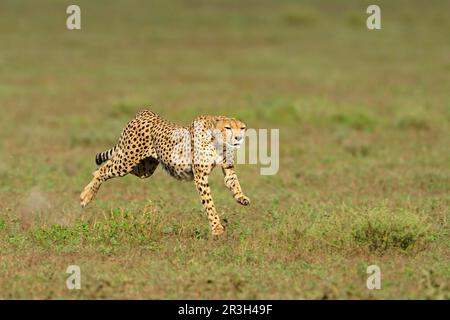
<point x="173" y="156"/>
<point x="180" y="171"/>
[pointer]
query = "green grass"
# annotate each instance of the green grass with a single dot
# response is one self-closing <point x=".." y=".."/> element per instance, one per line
<point x="364" y="119"/>
<point x="381" y="230"/>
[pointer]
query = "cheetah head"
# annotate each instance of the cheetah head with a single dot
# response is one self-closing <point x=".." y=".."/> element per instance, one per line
<point x="230" y="131"/>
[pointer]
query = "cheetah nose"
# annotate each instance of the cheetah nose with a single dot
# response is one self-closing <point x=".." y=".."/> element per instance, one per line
<point x="238" y="138"/>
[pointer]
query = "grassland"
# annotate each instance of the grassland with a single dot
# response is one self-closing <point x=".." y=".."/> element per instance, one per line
<point x="364" y="119"/>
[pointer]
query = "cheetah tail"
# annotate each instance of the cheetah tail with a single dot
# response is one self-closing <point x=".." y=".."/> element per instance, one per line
<point x="103" y="156"/>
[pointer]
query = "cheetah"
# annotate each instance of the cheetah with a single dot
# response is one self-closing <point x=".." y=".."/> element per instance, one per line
<point x="186" y="153"/>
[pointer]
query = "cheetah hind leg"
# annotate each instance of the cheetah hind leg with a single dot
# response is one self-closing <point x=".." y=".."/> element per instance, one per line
<point x="114" y="167"/>
<point x="91" y="189"/>
<point x="145" y="168"/>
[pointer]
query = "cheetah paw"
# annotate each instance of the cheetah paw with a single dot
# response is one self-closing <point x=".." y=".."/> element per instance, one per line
<point x="218" y="230"/>
<point x="245" y="201"/>
<point x="86" y="197"/>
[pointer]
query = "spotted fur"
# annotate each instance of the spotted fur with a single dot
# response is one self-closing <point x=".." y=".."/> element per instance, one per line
<point x="149" y="140"/>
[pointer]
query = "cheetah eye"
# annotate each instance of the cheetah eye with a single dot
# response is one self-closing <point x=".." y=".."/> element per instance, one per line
<point x="228" y="127"/>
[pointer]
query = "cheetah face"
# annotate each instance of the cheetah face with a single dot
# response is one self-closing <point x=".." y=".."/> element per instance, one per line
<point x="231" y="132"/>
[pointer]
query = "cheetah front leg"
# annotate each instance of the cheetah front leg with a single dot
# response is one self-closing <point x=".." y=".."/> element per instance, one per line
<point x="201" y="183"/>
<point x="232" y="183"/>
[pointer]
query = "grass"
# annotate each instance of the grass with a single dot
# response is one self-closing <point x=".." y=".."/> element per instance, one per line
<point x="364" y="175"/>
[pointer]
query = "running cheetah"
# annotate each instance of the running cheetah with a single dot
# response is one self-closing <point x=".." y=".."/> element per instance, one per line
<point x="186" y="153"/>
